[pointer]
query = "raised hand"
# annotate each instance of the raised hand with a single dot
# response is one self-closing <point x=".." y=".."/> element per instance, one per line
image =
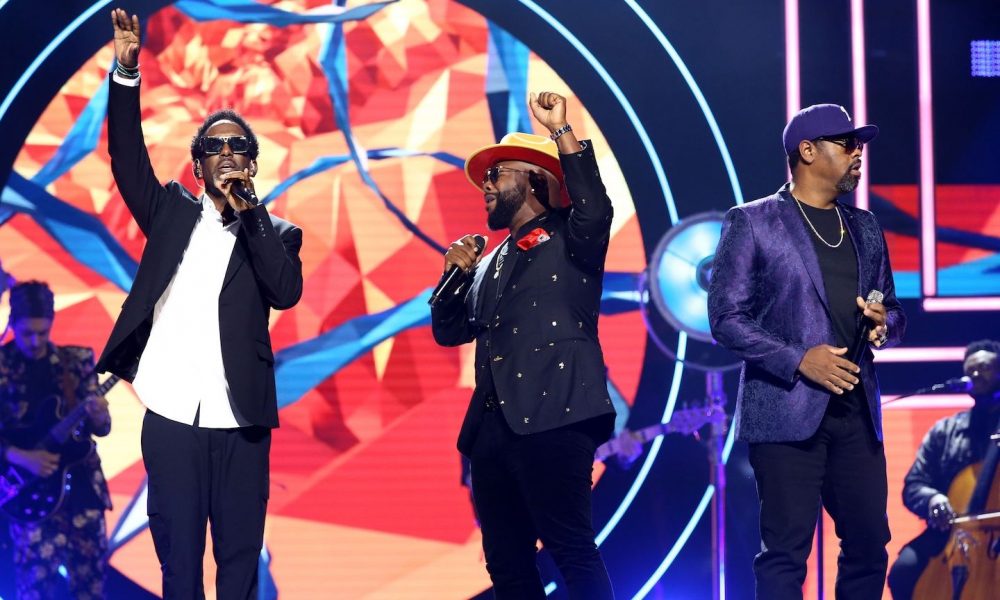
<point x="126" y="38"/>
<point x="549" y="109"/>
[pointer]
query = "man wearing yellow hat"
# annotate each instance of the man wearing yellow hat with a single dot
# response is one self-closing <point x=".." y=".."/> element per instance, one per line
<point x="541" y="405"/>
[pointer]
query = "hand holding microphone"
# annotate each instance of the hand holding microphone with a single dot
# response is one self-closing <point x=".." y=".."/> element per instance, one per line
<point x="835" y="369"/>
<point x="238" y="187"/>
<point x="874" y="311"/>
<point x="872" y="328"/>
<point x="460" y="258"/>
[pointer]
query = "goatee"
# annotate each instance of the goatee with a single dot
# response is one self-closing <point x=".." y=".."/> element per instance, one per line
<point x="508" y="202"/>
<point x="848" y="183"/>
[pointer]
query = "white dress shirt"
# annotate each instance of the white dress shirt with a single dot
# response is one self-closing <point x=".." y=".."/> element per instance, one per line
<point x="181" y="368"/>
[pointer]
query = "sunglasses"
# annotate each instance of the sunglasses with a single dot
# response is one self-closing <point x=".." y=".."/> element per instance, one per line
<point x="238" y="144"/>
<point x="848" y="142"/>
<point x="493" y="173"/>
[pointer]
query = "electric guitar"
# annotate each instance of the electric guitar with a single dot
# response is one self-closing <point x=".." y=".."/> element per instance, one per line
<point x="28" y="498"/>
<point x="685" y="421"/>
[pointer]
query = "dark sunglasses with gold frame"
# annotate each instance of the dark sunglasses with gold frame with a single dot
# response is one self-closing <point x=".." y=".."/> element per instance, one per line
<point x="238" y="144"/>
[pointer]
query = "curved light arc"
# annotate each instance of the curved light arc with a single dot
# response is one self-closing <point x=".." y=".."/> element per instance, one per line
<point x="698" y="96"/>
<point x="46" y="52"/>
<point x="640" y="129"/>
<point x="681" y="540"/>
<point x="654" y="449"/>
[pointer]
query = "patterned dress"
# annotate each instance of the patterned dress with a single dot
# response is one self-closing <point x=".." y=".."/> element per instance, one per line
<point x="74" y="537"/>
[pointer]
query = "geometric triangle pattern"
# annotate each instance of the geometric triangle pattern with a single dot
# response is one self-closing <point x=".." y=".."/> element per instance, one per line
<point x="363" y="127"/>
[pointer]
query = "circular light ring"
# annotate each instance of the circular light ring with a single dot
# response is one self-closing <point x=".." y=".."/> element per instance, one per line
<point x="679" y="270"/>
<point x="731" y="171"/>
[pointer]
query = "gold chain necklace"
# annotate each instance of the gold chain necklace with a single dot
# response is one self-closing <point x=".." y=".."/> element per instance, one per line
<point x="839" y="219"/>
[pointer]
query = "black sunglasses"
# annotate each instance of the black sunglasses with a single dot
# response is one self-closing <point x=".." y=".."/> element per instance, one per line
<point x="238" y="144"/>
<point x="847" y="142"/>
<point x="493" y="173"/>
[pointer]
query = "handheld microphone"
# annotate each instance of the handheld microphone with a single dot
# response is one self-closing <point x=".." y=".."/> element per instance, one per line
<point x="451" y="281"/>
<point x="861" y="339"/>
<point x="240" y="191"/>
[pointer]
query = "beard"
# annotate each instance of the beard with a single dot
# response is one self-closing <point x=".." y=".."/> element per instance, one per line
<point x="507" y="204"/>
<point x="848" y="183"/>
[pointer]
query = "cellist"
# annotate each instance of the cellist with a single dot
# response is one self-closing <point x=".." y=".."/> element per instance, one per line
<point x="953" y="444"/>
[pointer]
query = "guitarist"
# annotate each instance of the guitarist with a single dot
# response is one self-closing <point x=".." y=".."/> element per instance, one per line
<point x="952" y="444"/>
<point x="33" y="369"/>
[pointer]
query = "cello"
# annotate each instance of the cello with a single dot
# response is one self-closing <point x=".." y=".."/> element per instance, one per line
<point x="968" y="568"/>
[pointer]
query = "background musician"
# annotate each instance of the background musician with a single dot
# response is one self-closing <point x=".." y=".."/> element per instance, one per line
<point x="32" y="369"/>
<point x="952" y="444"/>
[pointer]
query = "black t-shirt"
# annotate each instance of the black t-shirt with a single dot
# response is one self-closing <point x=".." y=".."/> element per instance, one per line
<point x="840" y="271"/>
<point x="839" y="267"/>
<point x="40" y="383"/>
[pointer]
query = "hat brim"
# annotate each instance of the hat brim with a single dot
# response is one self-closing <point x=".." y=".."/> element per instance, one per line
<point x="865" y="133"/>
<point x="488" y="156"/>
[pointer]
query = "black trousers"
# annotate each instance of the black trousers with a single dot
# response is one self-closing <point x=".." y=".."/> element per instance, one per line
<point x="843" y="466"/>
<point x="535" y="487"/>
<point x="199" y="475"/>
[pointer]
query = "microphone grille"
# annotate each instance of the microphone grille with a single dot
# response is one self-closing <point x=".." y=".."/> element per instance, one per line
<point x="874" y="296"/>
<point x="480" y="243"/>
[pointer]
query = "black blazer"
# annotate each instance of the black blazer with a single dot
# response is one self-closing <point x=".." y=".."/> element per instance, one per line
<point x="539" y="339"/>
<point x="264" y="271"/>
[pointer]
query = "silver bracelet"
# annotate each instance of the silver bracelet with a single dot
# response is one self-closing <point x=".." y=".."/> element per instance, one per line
<point x="126" y="72"/>
<point x="558" y="132"/>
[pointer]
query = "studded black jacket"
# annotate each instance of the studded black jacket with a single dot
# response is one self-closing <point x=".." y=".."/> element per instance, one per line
<point x="539" y="338"/>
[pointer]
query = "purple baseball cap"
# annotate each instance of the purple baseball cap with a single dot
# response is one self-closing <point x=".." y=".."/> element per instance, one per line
<point x="823" y="120"/>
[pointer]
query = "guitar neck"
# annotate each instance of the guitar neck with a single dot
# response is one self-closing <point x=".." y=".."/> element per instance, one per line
<point x="684" y="421"/>
<point x="643" y="435"/>
<point x="648" y="434"/>
<point x="61" y="431"/>
<point x="109" y="383"/>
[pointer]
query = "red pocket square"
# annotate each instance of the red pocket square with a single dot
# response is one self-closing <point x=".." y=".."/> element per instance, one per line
<point x="533" y="238"/>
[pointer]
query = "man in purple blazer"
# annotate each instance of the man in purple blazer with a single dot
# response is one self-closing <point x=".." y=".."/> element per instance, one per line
<point x="786" y="297"/>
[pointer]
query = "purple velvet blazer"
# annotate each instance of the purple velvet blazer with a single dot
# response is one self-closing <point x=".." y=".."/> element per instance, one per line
<point x="767" y="304"/>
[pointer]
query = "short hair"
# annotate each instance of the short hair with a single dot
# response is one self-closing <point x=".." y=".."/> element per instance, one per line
<point x="226" y="114"/>
<point x="980" y="345"/>
<point x="31" y="300"/>
<point x="793" y="160"/>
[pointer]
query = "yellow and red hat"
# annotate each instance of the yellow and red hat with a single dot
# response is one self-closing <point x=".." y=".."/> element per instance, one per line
<point x="538" y="150"/>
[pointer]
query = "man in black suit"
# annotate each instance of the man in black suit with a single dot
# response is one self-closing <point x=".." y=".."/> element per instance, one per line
<point x="192" y="337"/>
<point x="541" y="405"/>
